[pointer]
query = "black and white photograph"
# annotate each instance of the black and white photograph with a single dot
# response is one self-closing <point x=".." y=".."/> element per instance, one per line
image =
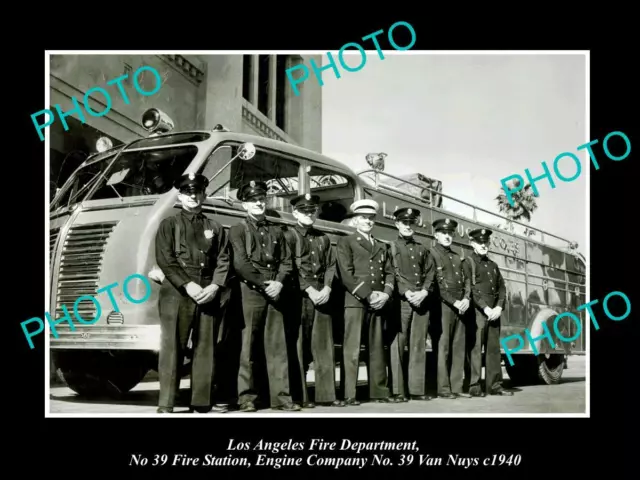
<point x="397" y="233"/>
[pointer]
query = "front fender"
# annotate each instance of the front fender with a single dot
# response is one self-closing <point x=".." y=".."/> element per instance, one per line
<point x="543" y="345"/>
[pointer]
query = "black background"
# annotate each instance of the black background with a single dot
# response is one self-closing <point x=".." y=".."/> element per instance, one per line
<point x="549" y="446"/>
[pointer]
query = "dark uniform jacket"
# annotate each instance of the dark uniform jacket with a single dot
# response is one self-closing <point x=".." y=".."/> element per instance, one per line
<point x="414" y="266"/>
<point x="317" y="262"/>
<point x="269" y="257"/>
<point x="453" y="284"/>
<point x="363" y="268"/>
<point x="489" y="289"/>
<point x="198" y="255"/>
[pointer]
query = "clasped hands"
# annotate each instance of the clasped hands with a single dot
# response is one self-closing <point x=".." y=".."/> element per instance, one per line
<point x="319" y="297"/>
<point x="273" y="289"/>
<point x="201" y="295"/>
<point x="377" y="300"/>
<point x="416" y="298"/>
<point x="493" y="313"/>
<point x="461" y="305"/>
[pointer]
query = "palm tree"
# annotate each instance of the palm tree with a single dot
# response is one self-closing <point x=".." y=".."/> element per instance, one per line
<point x="524" y="204"/>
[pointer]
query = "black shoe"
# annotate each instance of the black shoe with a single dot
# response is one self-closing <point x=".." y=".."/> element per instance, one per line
<point x="335" y="403"/>
<point x="502" y="392"/>
<point x="247" y="407"/>
<point x="397" y="399"/>
<point x="164" y="410"/>
<point x="351" y="402"/>
<point x="448" y="396"/>
<point x="288" y="407"/>
<point x="199" y="409"/>
<point x="421" y="397"/>
<point x="382" y="400"/>
<point x="308" y="405"/>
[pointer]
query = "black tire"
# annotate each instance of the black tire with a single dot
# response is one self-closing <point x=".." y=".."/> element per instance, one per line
<point x="101" y="374"/>
<point x="550" y="369"/>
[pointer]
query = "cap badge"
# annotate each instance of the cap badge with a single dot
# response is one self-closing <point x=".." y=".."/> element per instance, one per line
<point x="307" y="196"/>
<point x="447" y="221"/>
<point x="192" y="176"/>
<point x="409" y="211"/>
<point x="252" y="184"/>
<point x="483" y="231"/>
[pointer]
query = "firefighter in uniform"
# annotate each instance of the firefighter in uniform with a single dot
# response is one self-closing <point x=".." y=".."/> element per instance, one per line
<point x="414" y="273"/>
<point x="263" y="264"/>
<point x="455" y="294"/>
<point x="365" y="270"/>
<point x="489" y="294"/>
<point x="315" y="269"/>
<point x="192" y="252"/>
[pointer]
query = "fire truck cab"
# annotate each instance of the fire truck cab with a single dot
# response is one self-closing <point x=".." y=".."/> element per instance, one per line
<point x="104" y="218"/>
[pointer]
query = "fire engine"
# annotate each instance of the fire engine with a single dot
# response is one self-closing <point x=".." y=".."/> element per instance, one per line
<point x="104" y="218"/>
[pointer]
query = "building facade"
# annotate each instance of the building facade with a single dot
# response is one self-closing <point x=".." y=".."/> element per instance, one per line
<point x="245" y="93"/>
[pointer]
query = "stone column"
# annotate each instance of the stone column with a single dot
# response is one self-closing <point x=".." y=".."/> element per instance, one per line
<point x="294" y="106"/>
<point x="273" y="79"/>
<point x="255" y="85"/>
<point x="220" y="94"/>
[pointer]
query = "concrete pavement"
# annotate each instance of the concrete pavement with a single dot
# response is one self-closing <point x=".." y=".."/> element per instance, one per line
<point x="569" y="396"/>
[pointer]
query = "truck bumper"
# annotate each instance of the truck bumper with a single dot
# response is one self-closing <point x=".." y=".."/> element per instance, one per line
<point x="111" y="337"/>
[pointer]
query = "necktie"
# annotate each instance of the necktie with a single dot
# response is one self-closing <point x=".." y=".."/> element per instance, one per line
<point x="198" y="230"/>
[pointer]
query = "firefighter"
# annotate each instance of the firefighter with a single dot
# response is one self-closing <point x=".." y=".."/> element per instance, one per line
<point x="192" y="252"/>
<point x="455" y="293"/>
<point x="414" y="274"/>
<point x="489" y="294"/>
<point x="263" y="264"/>
<point x="365" y="270"/>
<point x="312" y="324"/>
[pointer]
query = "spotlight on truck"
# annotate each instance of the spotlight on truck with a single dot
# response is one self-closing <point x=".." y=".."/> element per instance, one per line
<point x="103" y="144"/>
<point x="156" y="121"/>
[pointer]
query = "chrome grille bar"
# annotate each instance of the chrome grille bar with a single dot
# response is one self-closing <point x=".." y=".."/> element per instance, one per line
<point x="80" y="266"/>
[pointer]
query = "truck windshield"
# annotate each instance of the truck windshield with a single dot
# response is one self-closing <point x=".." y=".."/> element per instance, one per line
<point x="136" y="173"/>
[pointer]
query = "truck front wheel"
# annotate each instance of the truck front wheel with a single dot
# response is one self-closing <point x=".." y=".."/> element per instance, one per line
<point x="95" y="374"/>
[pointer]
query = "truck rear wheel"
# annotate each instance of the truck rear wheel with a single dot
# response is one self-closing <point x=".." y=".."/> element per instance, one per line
<point x="108" y="374"/>
<point x="550" y="368"/>
<point x="532" y="370"/>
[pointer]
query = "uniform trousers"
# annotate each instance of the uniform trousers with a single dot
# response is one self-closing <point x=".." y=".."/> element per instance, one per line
<point x="263" y="338"/>
<point x="487" y="334"/>
<point x="451" y="351"/>
<point x="314" y="342"/>
<point x="359" y="322"/>
<point x="410" y="377"/>
<point x="180" y="316"/>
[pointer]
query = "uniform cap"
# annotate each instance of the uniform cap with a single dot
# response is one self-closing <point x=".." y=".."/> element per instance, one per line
<point x="406" y="214"/>
<point x="251" y="189"/>
<point x="480" y="235"/>
<point x="365" y="207"/>
<point x="306" y="200"/>
<point x="445" y="225"/>
<point x="191" y="182"/>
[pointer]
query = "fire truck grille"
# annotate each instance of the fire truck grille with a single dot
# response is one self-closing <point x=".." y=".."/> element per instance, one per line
<point x="80" y="266"/>
<point x="53" y="236"/>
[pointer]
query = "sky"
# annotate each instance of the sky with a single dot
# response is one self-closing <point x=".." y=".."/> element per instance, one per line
<point x="468" y="120"/>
